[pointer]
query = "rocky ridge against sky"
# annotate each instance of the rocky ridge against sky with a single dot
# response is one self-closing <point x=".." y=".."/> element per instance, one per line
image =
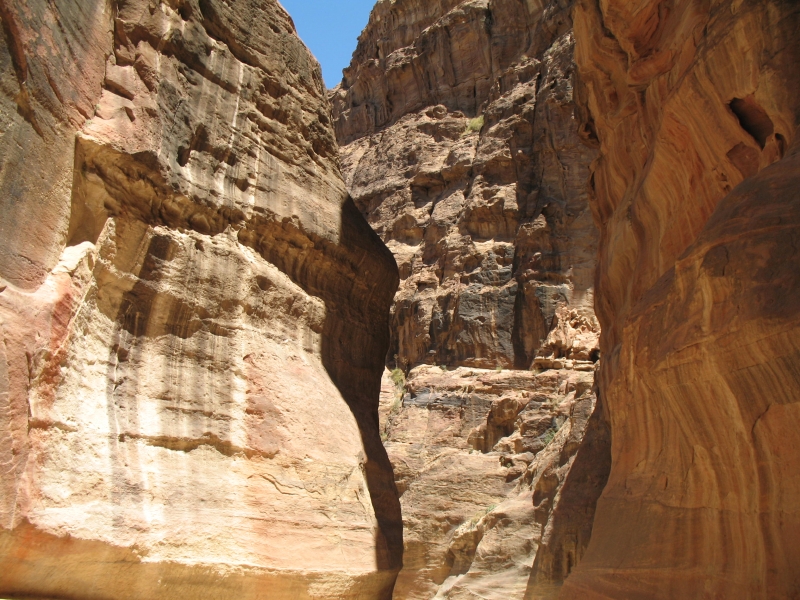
<point x="460" y="145"/>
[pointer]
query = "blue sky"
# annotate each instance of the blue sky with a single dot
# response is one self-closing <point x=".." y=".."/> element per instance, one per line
<point x="330" y="28"/>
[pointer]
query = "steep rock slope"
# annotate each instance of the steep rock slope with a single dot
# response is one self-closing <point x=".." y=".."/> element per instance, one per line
<point x="193" y="314"/>
<point x="476" y="181"/>
<point x="695" y="107"/>
<point x="460" y="146"/>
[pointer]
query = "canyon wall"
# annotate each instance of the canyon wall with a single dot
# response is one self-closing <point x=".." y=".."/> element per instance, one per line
<point x="460" y="145"/>
<point x="193" y="313"/>
<point x="476" y="179"/>
<point x="694" y="106"/>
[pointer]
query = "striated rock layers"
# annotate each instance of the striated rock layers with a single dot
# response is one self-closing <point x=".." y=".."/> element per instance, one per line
<point x="695" y="107"/>
<point x="460" y="146"/>
<point x="193" y="313"/>
<point x="498" y="473"/>
<point x="476" y="178"/>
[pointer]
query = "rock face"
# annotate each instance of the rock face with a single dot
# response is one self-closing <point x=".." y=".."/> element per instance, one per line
<point x="497" y="472"/>
<point x="460" y="146"/>
<point x="193" y="313"/>
<point x="477" y="179"/>
<point x="694" y="106"/>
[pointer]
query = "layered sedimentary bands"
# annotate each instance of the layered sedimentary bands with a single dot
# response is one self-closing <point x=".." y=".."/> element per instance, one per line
<point x="193" y="314"/>
<point x="461" y="147"/>
<point x="694" y="106"/>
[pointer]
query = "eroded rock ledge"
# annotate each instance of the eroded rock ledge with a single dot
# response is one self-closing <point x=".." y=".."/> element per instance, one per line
<point x="193" y="314"/>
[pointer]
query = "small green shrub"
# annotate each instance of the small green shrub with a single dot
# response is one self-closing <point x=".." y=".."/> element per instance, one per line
<point x="399" y="378"/>
<point x="475" y="124"/>
<point x="480" y="514"/>
<point x="548" y="437"/>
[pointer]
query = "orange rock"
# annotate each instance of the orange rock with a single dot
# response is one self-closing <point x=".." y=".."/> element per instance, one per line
<point x="695" y="108"/>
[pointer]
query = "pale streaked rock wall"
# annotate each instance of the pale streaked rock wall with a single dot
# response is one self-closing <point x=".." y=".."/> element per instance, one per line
<point x="193" y="314"/>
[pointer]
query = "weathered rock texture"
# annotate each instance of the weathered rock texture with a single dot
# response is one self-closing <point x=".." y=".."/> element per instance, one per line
<point x="459" y="144"/>
<point x="695" y="107"/>
<point x="193" y="314"/>
<point x="487" y="218"/>
<point x="498" y="473"/>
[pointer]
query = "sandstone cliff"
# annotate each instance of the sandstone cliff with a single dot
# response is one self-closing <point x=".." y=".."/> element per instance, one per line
<point x="695" y="106"/>
<point x="460" y="146"/>
<point x="498" y="473"/>
<point x="192" y="313"/>
<point x="477" y="181"/>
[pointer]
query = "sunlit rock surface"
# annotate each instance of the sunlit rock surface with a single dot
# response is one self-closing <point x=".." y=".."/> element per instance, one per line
<point x="479" y="185"/>
<point x="497" y="472"/>
<point x="193" y="314"/>
<point x="460" y="146"/>
<point x="694" y="106"/>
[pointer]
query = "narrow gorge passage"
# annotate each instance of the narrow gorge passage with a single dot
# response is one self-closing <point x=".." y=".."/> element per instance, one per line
<point x="460" y="145"/>
<point x="485" y="142"/>
<point x="511" y="312"/>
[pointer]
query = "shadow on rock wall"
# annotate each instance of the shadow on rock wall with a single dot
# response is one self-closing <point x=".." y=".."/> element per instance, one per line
<point x="355" y="340"/>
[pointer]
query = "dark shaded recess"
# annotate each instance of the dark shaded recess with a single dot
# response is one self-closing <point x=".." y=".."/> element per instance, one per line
<point x="355" y="340"/>
<point x="14" y="44"/>
<point x="587" y="129"/>
<point x="522" y="359"/>
<point x="573" y="518"/>
<point x="753" y="119"/>
<point x="137" y="304"/>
